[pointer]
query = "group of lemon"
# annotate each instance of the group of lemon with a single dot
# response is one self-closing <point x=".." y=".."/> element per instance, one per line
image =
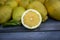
<point x="31" y="13"/>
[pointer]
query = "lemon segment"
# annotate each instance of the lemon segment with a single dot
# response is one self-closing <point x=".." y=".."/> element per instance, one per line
<point x="31" y="19"/>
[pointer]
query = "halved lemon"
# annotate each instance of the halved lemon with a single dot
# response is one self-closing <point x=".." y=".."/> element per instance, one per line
<point x="31" y="19"/>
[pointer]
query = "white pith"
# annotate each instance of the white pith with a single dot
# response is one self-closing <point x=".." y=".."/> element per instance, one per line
<point x="22" y="18"/>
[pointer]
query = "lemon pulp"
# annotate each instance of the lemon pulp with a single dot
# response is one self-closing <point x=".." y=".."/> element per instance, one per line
<point x="31" y="19"/>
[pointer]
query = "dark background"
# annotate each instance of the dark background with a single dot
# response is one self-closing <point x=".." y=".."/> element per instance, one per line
<point x="50" y="30"/>
<point x="30" y="36"/>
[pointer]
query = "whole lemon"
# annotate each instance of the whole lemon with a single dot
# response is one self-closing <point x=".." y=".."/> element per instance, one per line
<point x="5" y="14"/>
<point x="24" y="3"/>
<point x="53" y="7"/>
<point x="12" y="3"/>
<point x="40" y="8"/>
<point x="17" y="13"/>
<point x="42" y="1"/>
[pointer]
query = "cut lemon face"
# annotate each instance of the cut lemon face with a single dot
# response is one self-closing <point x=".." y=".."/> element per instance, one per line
<point x="31" y="19"/>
